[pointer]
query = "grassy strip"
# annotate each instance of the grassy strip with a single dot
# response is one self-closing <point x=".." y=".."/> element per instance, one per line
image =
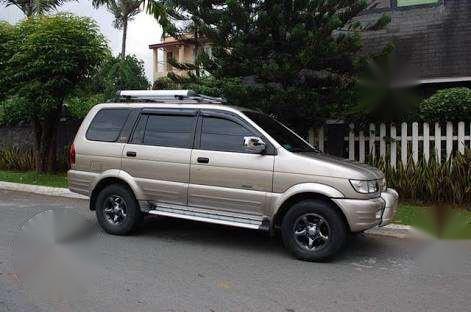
<point x="31" y="177"/>
<point x="457" y="225"/>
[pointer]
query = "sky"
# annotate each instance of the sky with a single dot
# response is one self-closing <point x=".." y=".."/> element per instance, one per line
<point x="142" y="31"/>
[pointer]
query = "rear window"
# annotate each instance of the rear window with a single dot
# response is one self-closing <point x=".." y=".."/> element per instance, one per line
<point x="107" y="125"/>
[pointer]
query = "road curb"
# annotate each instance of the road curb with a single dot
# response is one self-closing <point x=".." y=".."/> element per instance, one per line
<point x="42" y="190"/>
<point x="391" y="230"/>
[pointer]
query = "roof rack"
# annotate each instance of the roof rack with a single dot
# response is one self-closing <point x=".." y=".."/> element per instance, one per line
<point x="162" y="96"/>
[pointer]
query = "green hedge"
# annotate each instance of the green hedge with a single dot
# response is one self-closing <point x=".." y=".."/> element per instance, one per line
<point x="447" y="105"/>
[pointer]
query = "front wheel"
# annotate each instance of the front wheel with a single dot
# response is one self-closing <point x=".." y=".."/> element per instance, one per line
<point x="117" y="210"/>
<point x="313" y="230"/>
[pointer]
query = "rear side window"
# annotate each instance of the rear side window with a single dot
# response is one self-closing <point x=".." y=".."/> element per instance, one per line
<point x="107" y="125"/>
<point x="170" y="131"/>
<point x="219" y="134"/>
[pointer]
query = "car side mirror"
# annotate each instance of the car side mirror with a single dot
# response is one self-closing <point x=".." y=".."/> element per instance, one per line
<point x="254" y="145"/>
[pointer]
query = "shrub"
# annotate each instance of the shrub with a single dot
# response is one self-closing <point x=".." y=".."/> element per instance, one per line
<point x="23" y="159"/>
<point x="13" y="158"/>
<point x="447" y="182"/>
<point x="447" y="105"/>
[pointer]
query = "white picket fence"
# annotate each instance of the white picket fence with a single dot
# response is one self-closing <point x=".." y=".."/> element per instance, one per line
<point x="417" y="139"/>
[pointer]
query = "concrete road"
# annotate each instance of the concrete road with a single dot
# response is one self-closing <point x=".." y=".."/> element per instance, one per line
<point x="177" y="265"/>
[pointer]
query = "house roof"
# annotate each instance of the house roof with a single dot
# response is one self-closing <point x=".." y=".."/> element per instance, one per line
<point x="174" y="43"/>
<point x="432" y="43"/>
<point x="168" y="44"/>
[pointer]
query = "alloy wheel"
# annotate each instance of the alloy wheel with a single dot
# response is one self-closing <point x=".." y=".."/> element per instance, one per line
<point x="115" y="209"/>
<point x="311" y="231"/>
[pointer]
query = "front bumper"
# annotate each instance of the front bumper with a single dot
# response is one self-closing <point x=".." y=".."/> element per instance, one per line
<point x="391" y="202"/>
<point x="363" y="214"/>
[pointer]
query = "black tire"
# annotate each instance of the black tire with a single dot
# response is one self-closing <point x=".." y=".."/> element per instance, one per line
<point x="133" y="214"/>
<point x="332" y="225"/>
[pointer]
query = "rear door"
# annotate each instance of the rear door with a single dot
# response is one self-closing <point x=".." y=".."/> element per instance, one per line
<point x="223" y="175"/>
<point x="158" y="154"/>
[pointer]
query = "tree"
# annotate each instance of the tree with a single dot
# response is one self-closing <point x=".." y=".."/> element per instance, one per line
<point x="121" y="74"/>
<point x="7" y="32"/>
<point x="113" y="75"/>
<point x="53" y="54"/>
<point x="123" y="12"/>
<point x="34" y="7"/>
<point x="296" y="59"/>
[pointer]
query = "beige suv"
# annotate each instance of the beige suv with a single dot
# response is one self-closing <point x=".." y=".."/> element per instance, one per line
<point x="183" y="155"/>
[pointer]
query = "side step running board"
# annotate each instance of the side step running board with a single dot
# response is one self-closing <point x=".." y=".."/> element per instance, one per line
<point x="248" y="221"/>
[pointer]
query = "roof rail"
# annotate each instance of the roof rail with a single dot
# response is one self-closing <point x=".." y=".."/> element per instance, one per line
<point x="165" y="96"/>
<point x="156" y="93"/>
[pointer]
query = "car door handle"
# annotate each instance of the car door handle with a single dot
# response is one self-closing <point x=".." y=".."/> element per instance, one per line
<point x="131" y="154"/>
<point x="203" y="160"/>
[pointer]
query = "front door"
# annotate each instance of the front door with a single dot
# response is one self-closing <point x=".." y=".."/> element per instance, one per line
<point x="224" y="176"/>
<point x="158" y="154"/>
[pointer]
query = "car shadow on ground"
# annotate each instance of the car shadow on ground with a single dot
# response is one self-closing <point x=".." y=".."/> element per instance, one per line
<point x="220" y="236"/>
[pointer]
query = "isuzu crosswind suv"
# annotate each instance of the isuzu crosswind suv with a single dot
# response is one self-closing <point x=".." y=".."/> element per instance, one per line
<point x="184" y="155"/>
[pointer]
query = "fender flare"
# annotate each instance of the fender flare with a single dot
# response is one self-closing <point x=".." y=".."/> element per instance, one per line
<point x="317" y="188"/>
<point x="121" y="175"/>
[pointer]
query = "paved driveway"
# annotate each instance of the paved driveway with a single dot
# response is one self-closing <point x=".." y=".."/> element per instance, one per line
<point x="176" y="265"/>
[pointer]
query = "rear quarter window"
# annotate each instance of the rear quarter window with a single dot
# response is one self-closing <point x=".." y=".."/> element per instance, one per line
<point x="107" y="124"/>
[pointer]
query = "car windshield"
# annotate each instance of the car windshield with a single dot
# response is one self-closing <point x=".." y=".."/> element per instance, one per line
<point x="282" y="134"/>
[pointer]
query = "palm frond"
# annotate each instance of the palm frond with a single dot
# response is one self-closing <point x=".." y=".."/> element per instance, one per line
<point x="122" y="10"/>
<point x="35" y="7"/>
<point x="164" y="12"/>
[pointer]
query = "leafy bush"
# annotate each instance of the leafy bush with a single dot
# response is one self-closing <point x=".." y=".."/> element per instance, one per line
<point x="23" y="159"/>
<point x="447" y="182"/>
<point x="447" y="105"/>
<point x="17" y="159"/>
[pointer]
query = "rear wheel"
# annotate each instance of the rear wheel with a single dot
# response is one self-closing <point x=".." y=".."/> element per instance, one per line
<point x="117" y="210"/>
<point x="313" y="230"/>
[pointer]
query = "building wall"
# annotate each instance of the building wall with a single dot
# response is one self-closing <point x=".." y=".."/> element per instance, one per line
<point x="432" y="41"/>
<point x="160" y="64"/>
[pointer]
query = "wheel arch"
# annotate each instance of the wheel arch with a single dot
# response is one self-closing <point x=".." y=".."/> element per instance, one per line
<point x="115" y="177"/>
<point x="300" y="196"/>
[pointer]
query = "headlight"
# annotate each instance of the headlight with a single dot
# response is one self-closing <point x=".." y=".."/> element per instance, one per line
<point x="365" y="187"/>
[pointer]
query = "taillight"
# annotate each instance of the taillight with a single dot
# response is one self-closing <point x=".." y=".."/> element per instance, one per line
<point x="72" y="155"/>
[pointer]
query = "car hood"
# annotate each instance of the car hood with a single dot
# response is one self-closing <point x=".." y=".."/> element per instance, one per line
<point x="323" y="164"/>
